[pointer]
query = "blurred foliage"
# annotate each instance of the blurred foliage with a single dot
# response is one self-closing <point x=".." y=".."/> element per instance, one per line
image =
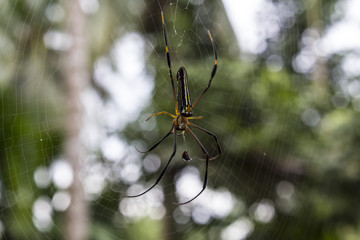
<point x="256" y="113"/>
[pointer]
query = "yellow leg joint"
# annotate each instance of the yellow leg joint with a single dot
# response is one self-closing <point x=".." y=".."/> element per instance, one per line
<point x="173" y="116"/>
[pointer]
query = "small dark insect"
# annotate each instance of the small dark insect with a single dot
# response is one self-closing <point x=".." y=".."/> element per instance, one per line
<point x="183" y="113"/>
<point x="186" y="156"/>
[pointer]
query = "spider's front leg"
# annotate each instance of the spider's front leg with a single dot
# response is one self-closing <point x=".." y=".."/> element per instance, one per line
<point x="156" y="144"/>
<point x="166" y="166"/>
<point x="206" y="166"/>
<point x="211" y="134"/>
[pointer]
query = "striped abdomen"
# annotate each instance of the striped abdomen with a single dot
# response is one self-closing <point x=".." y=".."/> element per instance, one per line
<point x="183" y="94"/>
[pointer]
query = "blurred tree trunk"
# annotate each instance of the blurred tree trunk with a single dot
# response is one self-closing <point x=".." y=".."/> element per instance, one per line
<point x="319" y="73"/>
<point x="170" y="232"/>
<point x="169" y="226"/>
<point x="76" y="78"/>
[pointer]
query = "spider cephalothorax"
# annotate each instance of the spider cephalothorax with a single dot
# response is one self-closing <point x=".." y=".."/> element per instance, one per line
<point x="183" y="113"/>
<point x="180" y="122"/>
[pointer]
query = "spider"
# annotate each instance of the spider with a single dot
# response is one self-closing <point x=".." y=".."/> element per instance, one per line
<point x="183" y="113"/>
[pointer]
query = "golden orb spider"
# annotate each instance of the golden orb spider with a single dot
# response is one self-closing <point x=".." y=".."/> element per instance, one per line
<point x="183" y="112"/>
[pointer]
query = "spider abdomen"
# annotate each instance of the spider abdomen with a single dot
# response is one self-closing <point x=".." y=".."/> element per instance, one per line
<point x="183" y="94"/>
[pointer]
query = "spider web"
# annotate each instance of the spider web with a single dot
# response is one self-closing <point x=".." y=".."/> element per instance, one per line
<point x="268" y="104"/>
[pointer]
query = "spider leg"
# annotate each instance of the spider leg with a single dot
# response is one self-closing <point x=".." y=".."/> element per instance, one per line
<point x="171" y="115"/>
<point x="181" y="133"/>
<point x="199" y="117"/>
<point x="163" y="171"/>
<point x="211" y="134"/>
<point x="156" y="144"/>
<point x="206" y="167"/>
<point x="212" y="72"/>
<point x="169" y="61"/>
